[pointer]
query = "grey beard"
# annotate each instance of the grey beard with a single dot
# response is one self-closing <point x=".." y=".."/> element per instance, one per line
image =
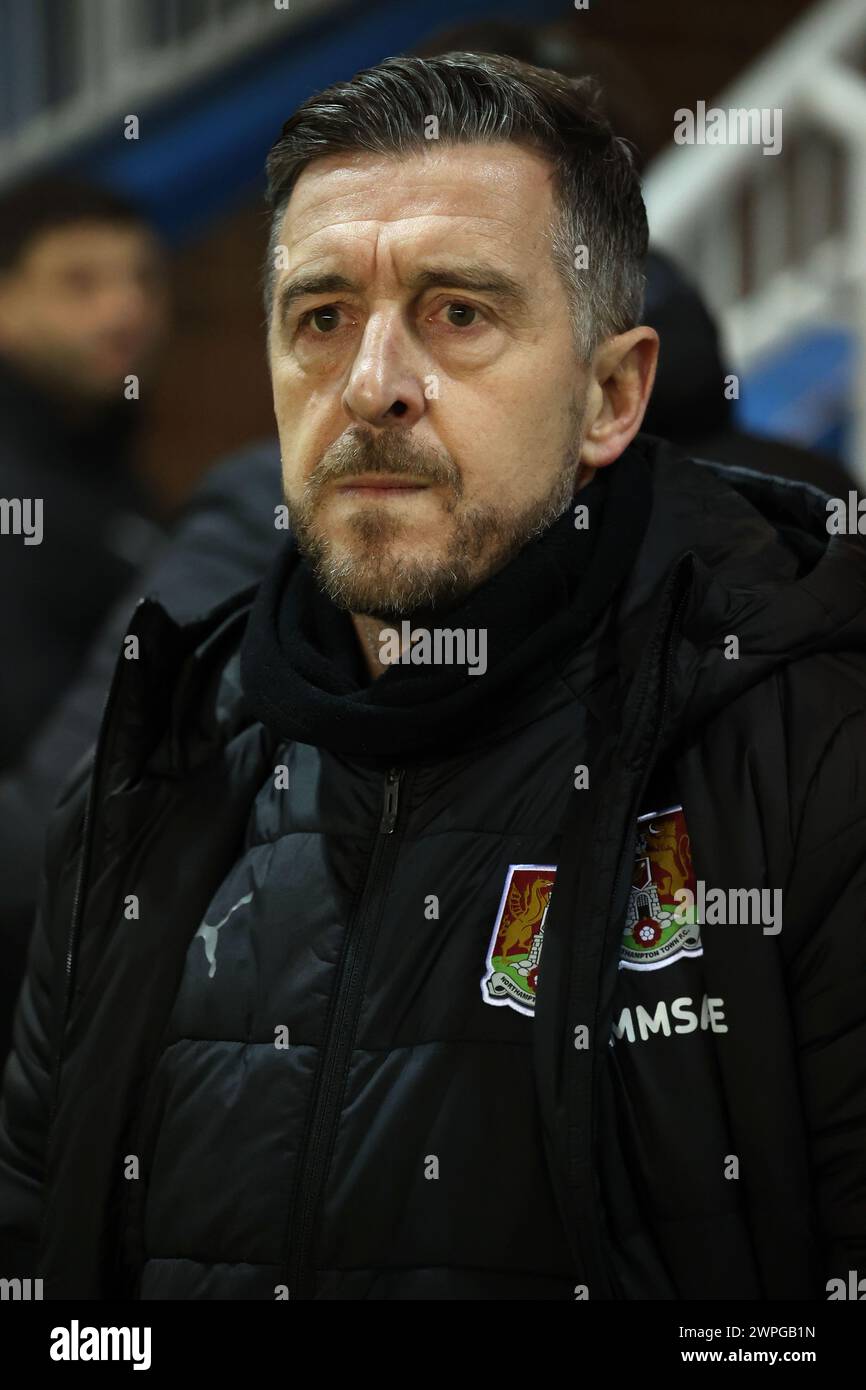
<point x="484" y="541"/>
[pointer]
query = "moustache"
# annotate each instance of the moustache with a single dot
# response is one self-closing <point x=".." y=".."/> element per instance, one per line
<point x="390" y="455"/>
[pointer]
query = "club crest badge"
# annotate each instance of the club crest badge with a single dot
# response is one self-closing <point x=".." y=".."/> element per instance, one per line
<point x="653" y="937"/>
<point x="514" y="952"/>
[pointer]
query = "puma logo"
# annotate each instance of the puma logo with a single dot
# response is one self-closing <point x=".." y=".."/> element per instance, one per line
<point x="210" y="934"/>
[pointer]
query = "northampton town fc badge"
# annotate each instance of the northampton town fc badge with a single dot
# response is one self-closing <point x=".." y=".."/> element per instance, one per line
<point x="518" y="935"/>
<point x="653" y="937"/>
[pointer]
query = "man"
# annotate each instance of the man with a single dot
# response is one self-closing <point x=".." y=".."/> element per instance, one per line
<point x="82" y="308"/>
<point x="380" y="953"/>
<point x="227" y="536"/>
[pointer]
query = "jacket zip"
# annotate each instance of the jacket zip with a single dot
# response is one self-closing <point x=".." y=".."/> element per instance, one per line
<point x="315" y="1160"/>
<point x="604" y="1276"/>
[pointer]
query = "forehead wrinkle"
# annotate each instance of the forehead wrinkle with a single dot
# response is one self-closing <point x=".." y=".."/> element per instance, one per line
<point x="391" y="221"/>
<point x="497" y="181"/>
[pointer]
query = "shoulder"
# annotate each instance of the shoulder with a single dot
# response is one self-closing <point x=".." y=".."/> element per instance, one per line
<point x="798" y="714"/>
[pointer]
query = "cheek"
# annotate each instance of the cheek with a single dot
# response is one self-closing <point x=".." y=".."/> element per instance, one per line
<point x="512" y="457"/>
<point x="302" y="445"/>
<point x="72" y="334"/>
<point x="498" y="453"/>
<point x="39" y="318"/>
<point x="294" y="402"/>
<point x="281" y="383"/>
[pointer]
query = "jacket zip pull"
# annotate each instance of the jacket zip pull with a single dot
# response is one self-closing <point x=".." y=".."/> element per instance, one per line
<point x="392" y="794"/>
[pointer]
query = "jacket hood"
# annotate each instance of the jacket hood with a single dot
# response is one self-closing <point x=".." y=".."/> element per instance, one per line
<point x="688" y="399"/>
<point x="765" y="571"/>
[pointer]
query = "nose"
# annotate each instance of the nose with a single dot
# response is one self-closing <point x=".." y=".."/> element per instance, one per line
<point x="386" y="384"/>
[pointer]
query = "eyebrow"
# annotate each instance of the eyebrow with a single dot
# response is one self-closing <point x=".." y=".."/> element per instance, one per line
<point x="475" y="277"/>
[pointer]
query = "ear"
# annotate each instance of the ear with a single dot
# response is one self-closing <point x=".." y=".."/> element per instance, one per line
<point x="621" y="379"/>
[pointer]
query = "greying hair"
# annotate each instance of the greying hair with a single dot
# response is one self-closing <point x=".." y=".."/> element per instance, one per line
<point x="477" y="98"/>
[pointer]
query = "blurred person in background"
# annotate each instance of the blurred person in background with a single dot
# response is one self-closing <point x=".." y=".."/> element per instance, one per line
<point x="83" y="304"/>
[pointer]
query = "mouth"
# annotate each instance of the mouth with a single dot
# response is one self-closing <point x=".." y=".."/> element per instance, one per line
<point x="380" y="485"/>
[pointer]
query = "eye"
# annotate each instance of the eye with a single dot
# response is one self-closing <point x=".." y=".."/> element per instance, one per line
<point x="461" y="315"/>
<point x="323" y="320"/>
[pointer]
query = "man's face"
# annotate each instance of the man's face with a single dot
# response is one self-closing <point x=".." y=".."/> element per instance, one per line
<point x="426" y="387"/>
<point x="84" y="306"/>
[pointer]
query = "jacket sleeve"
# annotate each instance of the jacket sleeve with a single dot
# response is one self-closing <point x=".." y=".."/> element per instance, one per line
<point x="223" y="541"/>
<point x="827" y="893"/>
<point x="25" y="1103"/>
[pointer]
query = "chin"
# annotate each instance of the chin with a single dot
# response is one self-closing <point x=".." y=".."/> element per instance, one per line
<point x="388" y="587"/>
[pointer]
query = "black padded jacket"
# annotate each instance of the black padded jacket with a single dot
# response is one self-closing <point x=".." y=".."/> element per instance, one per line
<point x="250" y="1060"/>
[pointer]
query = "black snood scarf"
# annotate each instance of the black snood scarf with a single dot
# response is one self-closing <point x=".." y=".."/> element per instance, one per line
<point x="304" y="675"/>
